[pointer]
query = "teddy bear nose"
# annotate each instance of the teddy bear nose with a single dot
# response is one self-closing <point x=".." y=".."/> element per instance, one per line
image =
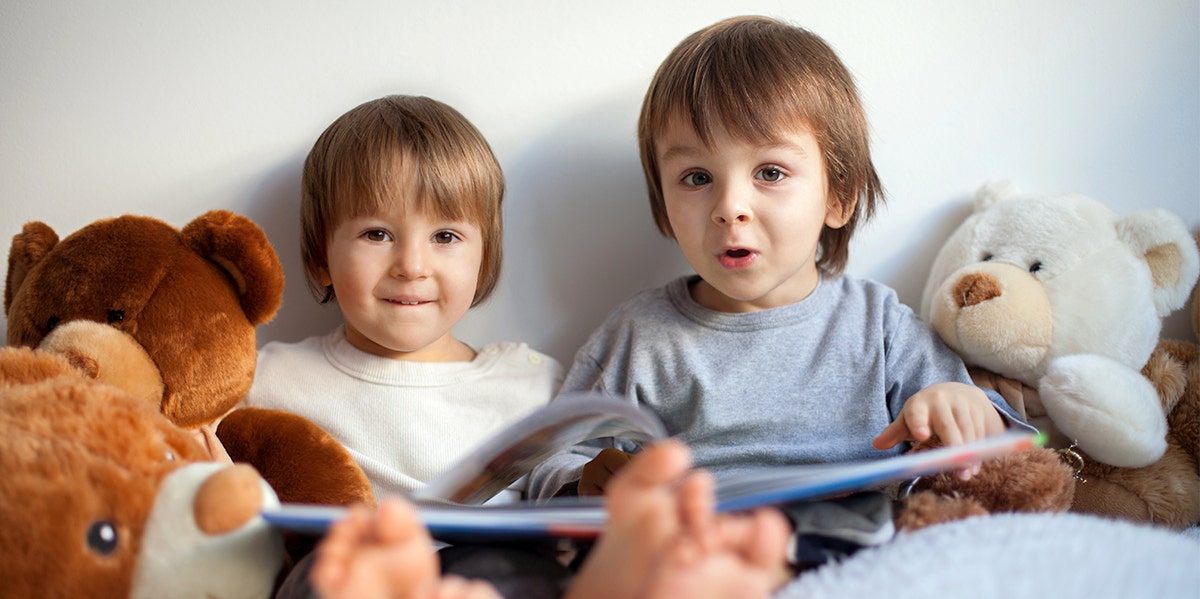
<point x="976" y="288"/>
<point x="228" y="500"/>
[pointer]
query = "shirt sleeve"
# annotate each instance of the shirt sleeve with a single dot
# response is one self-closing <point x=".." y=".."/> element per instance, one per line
<point x="548" y="478"/>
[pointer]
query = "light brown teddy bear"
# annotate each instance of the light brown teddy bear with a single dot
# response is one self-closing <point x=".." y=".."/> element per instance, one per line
<point x="101" y="496"/>
<point x="170" y="315"/>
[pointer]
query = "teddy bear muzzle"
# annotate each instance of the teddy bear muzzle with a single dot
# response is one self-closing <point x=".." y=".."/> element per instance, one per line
<point x="107" y="355"/>
<point x="205" y="520"/>
<point x="228" y="500"/>
<point x="996" y="313"/>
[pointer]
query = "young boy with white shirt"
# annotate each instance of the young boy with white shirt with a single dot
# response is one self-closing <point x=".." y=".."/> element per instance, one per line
<point x="401" y="228"/>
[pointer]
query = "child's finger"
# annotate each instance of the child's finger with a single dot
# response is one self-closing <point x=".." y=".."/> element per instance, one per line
<point x="968" y="421"/>
<point x="398" y="521"/>
<point x="600" y="470"/>
<point x="698" y="506"/>
<point x="332" y="556"/>
<point x="770" y="533"/>
<point x="993" y="422"/>
<point x="456" y="587"/>
<point x="965" y="474"/>
<point x="980" y="422"/>
<point x="916" y="417"/>
<point x="891" y="435"/>
<point x="352" y="527"/>
<point x="947" y="425"/>
<point x="664" y="462"/>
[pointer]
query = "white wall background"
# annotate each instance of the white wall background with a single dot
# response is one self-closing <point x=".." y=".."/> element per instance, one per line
<point x="173" y="108"/>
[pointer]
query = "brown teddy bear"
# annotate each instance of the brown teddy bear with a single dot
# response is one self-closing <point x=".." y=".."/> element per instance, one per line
<point x="1033" y="480"/>
<point x="1057" y="303"/>
<point x="170" y="315"/>
<point x="102" y="496"/>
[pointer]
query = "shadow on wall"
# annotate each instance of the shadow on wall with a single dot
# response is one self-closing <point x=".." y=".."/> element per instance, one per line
<point x="578" y="231"/>
<point x="906" y="268"/>
<point x="275" y="205"/>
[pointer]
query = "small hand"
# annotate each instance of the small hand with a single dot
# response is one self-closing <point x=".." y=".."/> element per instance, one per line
<point x="955" y="412"/>
<point x="601" y="469"/>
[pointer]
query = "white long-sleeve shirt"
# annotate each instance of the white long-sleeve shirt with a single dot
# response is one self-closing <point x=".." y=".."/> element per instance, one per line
<point x="403" y="422"/>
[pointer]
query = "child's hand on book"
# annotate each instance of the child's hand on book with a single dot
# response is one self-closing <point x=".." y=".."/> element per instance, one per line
<point x="957" y="413"/>
<point x="601" y="469"/>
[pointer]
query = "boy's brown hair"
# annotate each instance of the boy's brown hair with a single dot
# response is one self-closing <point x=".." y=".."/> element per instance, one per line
<point x="377" y="152"/>
<point x="755" y="77"/>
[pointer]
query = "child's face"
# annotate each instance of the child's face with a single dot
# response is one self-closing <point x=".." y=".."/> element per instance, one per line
<point x="402" y="280"/>
<point x="747" y="216"/>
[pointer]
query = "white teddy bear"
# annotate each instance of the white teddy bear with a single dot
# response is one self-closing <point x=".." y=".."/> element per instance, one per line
<point x="1065" y="296"/>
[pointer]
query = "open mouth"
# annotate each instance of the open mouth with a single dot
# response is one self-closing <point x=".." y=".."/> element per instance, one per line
<point x="736" y="258"/>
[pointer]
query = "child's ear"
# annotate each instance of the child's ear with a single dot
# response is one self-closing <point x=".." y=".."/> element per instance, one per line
<point x="323" y="277"/>
<point x="839" y="211"/>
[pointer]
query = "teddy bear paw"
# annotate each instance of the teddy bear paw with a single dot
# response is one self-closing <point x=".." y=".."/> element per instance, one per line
<point x="1110" y="410"/>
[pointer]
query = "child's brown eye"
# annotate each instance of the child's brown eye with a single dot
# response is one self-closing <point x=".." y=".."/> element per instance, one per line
<point x="697" y="179"/>
<point x="770" y="174"/>
<point x="445" y="237"/>
<point x="376" y="236"/>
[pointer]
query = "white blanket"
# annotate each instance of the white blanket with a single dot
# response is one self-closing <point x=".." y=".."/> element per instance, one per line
<point x="1056" y="556"/>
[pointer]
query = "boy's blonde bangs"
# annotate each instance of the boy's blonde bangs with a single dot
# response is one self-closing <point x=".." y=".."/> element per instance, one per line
<point x="396" y="175"/>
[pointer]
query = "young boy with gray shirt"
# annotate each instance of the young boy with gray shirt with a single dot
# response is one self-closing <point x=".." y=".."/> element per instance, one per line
<point x="755" y="149"/>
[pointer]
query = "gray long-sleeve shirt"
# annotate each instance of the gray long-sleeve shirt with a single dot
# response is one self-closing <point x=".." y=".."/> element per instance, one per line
<point x="810" y="382"/>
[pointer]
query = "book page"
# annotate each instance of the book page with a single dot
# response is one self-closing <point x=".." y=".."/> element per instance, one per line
<point x="568" y="420"/>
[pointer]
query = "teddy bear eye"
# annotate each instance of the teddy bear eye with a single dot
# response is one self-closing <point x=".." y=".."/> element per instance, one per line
<point x="987" y="257"/>
<point x="116" y="316"/>
<point x="51" y="323"/>
<point x="102" y="537"/>
<point x="1036" y="266"/>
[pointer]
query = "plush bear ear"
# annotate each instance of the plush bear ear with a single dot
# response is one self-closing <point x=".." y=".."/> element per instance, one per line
<point x="29" y="247"/>
<point x="1162" y="240"/>
<point x="240" y="247"/>
<point x="992" y="192"/>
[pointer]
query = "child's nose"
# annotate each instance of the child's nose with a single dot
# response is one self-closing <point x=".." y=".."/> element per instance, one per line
<point x="731" y="207"/>
<point x="410" y="263"/>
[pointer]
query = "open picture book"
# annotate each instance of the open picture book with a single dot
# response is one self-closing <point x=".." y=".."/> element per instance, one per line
<point x="451" y="505"/>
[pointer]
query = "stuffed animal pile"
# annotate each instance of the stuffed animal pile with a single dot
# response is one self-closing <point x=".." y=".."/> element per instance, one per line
<point x="102" y="496"/>
<point x="170" y="315"/>
<point x="1057" y="302"/>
